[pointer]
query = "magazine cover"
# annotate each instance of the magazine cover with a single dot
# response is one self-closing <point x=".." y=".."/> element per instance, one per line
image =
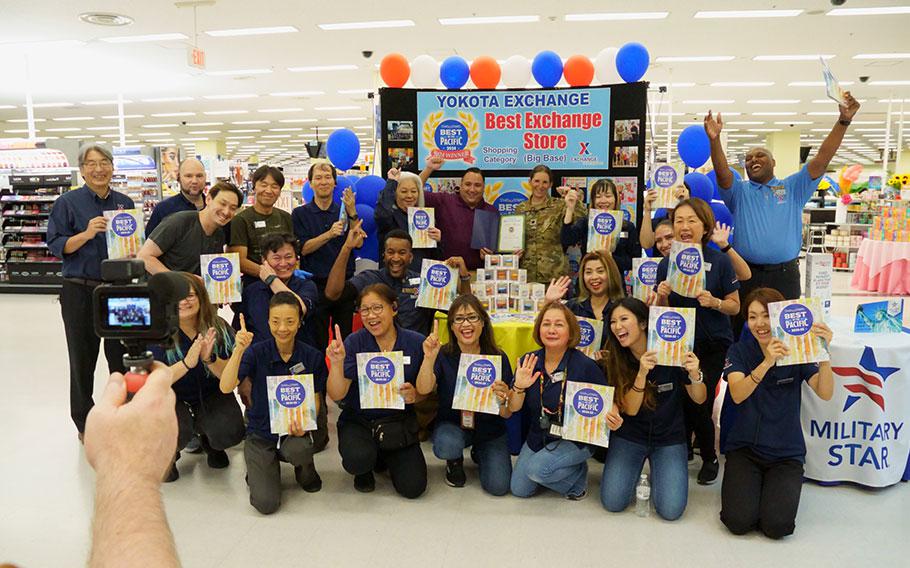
<point x="591" y="336"/>
<point x="603" y="229"/>
<point x="438" y="285"/>
<point x="791" y="322"/>
<point x="686" y="270"/>
<point x="291" y="397"/>
<point x="420" y="221"/>
<point x="379" y="378"/>
<point x="125" y="232"/>
<point x="880" y="317"/>
<point x="644" y="277"/>
<point x="671" y="333"/>
<point x="585" y="414"/>
<point x="474" y="385"/>
<point x="221" y="274"/>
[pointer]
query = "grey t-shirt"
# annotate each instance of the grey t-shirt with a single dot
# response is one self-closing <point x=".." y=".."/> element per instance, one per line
<point x="182" y="240"/>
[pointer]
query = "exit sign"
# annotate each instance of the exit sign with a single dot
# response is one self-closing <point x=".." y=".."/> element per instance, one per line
<point x="196" y="58"/>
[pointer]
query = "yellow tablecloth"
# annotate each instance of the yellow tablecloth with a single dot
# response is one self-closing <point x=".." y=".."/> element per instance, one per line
<point x="514" y="337"/>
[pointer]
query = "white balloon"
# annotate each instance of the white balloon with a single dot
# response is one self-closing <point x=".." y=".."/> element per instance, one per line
<point x="424" y="72"/>
<point x="516" y="72"/>
<point x="605" y="67"/>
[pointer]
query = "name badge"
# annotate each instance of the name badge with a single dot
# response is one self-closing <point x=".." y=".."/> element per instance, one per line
<point x="558" y="377"/>
<point x="297" y="369"/>
<point x="467" y="419"/>
<point x="623" y="234"/>
<point x="707" y="267"/>
<point x="414" y="281"/>
<point x="407" y="359"/>
<point x="259" y="224"/>
<point x="786" y="381"/>
<point x="556" y="430"/>
<point x="664" y="387"/>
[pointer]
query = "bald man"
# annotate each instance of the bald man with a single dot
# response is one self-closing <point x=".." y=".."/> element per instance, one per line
<point x="191" y="175"/>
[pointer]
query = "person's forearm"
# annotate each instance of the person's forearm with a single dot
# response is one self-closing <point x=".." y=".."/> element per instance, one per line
<point x="825" y="388"/>
<point x="426" y="378"/>
<point x="740" y="266"/>
<point x="517" y="400"/>
<point x="646" y="231"/>
<point x="425" y="175"/>
<point x="228" y="380"/>
<point x="334" y="285"/>
<point x="697" y="392"/>
<point x="729" y="306"/>
<point x="153" y="265"/>
<point x="631" y="402"/>
<point x="826" y="151"/>
<point x="279" y="286"/>
<point x="337" y="385"/>
<point x="179" y="369"/>
<point x="742" y="386"/>
<point x="130" y="527"/>
<point x="217" y="368"/>
<point x="719" y="161"/>
<point x="76" y="242"/>
<point x="316" y="243"/>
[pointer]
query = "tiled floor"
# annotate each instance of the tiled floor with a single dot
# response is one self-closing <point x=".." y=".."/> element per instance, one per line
<point x="46" y="500"/>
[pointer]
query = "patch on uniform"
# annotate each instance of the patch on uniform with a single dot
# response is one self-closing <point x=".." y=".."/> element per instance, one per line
<point x="727" y="364"/>
<point x="780" y="193"/>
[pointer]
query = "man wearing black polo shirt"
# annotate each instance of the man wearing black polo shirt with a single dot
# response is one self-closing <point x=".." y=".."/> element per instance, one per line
<point x="319" y="227"/>
<point x="76" y="234"/>
<point x="177" y="243"/>
<point x="191" y="175"/>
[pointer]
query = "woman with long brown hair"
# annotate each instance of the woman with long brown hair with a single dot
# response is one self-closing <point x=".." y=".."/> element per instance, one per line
<point x="605" y="196"/>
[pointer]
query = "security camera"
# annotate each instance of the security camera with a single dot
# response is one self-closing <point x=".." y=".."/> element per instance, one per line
<point x="367" y="53"/>
<point x="864" y="79"/>
<point x="182" y="123"/>
<point x="838" y="2"/>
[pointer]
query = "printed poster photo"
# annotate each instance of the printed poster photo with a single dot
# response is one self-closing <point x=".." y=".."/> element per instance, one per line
<point x="625" y="157"/>
<point x="625" y="130"/>
<point x="401" y="131"/>
<point x="401" y="158"/>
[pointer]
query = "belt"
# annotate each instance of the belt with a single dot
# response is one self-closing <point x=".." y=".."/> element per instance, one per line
<point x="84" y="281"/>
<point x="773" y="267"/>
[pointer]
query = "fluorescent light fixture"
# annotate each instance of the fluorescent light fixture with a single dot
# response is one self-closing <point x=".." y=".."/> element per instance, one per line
<point x="297" y="120"/>
<point x="343" y="107"/>
<point x="156" y="134"/>
<point x="726" y="14"/>
<point x="481" y="20"/>
<point x="772" y="101"/>
<point x="894" y="100"/>
<point x="806" y="57"/>
<point x="145" y="38"/>
<point x="230" y="97"/>
<point x="869" y="129"/>
<point x="745" y="122"/>
<point x="238" y="72"/>
<point x="205" y="124"/>
<point x="822" y="113"/>
<point x="882" y="56"/>
<point x="240" y="131"/>
<point x="674" y="85"/>
<point x="347" y="119"/>
<point x="778" y="113"/>
<point x="764" y="130"/>
<point x="291" y="129"/>
<point x="743" y="84"/>
<point x="237" y="32"/>
<point x="815" y="84"/>
<point x="17" y="131"/>
<point x="51" y="105"/>
<point x="108" y="102"/>
<point x="204" y="132"/>
<point x="709" y="102"/>
<point x="694" y="58"/>
<point x="242" y="122"/>
<point x="79" y="137"/>
<point x="317" y="128"/>
<point x="289" y="109"/>
<point x="7" y="107"/>
<point x="369" y="127"/>
<point x="170" y="114"/>
<point x="24" y="120"/>
<point x="276" y="135"/>
<point x="125" y="116"/>
<point x="900" y="83"/>
<point x="103" y="128"/>
<point x="239" y="138"/>
<point x="373" y="25"/>
<point x="62" y="129"/>
<point x="297" y="94"/>
<point x="606" y="16"/>
<point x="167" y="99"/>
<point x="792" y="122"/>
<point x="882" y="11"/>
<point x="355" y="91"/>
<point x="321" y="68"/>
<point x="666" y="113"/>
<point x="159" y="126"/>
<point x="224" y="112"/>
<point x="110" y="136"/>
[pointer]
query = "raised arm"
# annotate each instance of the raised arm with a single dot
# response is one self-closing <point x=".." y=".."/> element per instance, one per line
<point x="713" y="127"/>
<point x="822" y="382"/>
<point x="426" y="377"/>
<point x="229" y="375"/>
<point x="721" y="237"/>
<point x="337" y="385"/>
<point x="817" y="165"/>
<point x="334" y="286"/>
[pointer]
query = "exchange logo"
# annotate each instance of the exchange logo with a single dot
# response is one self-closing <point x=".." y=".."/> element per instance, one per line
<point x="871" y="379"/>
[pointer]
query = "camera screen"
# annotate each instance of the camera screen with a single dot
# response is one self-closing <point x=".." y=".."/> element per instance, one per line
<point x="130" y="312"/>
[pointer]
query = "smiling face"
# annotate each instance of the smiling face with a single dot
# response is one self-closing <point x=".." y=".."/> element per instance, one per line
<point x="377" y="314"/>
<point x="663" y="239"/>
<point x="97" y="170"/>
<point x="472" y="189"/>
<point x="540" y="185"/>
<point x="626" y="327"/>
<point x="267" y="191"/>
<point x="760" y="165"/>
<point x="605" y="200"/>
<point x="397" y="256"/>
<point x="188" y="308"/>
<point x="323" y="182"/>
<point x="595" y="277"/>
<point x="222" y="207"/>
<point x="554" y="330"/>
<point x="284" y="321"/>
<point x="687" y="227"/>
<point x="406" y="195"/>
<point x="759" y="323"/>
<point x="283" y="261"/>
<point x="467" y="325"/>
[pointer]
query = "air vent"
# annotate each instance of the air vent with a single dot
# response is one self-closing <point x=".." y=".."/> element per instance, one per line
<point x="105" y="19"/>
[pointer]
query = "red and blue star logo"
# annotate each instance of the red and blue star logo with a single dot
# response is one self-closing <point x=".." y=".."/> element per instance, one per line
<point x="871" y="377"/>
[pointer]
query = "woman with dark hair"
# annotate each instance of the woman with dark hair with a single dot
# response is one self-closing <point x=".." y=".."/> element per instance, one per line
<point x="604" y="195"/>
<point x="546" y="460"/>
<point x="202" y="347"/>
<point x="544" y="257"/>
<point x="651" y="402"/>
<point x="470" y="332"/>
<point x="403" y="190"/>
<point x="599" y="285"/>
<point x="761" y="434"/>
<point x="366" y="435"/>
<point x="278" y="356"/>
<point x="693" y="222"/>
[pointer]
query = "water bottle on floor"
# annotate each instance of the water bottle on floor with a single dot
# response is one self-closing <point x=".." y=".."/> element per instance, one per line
<point x="643" y="497"/>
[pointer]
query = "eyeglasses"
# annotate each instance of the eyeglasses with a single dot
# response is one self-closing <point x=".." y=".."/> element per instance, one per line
<point x="190" y="298"/>
<point x="376" y="309"/>
<point x="102" y="164"/>
<point x="470" y="318"/>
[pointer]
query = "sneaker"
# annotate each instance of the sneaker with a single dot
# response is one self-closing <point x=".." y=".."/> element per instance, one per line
<point x="576" y="496"/>
<point x="194" y="446"/>
<point x="365" y="482"/>
<point x="312" y="485"/>
<point x="708" y="472"/>
<point x="217" y="459"/>
<point x="455" y="476"/>
<point x="172" y="475"/>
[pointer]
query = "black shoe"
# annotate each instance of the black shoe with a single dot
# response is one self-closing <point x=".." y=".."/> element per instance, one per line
<point x="708" y="472"/>
<point x="321" y="445"/>
<point x="365" y="482"/>
<point x="312" y="485"/>
<point x="217" y="459"/>
<point x="576" y="497"/>
<point x="194" y="446"/>
<point x="172" y="475"/>
<point x="455" y="476"/>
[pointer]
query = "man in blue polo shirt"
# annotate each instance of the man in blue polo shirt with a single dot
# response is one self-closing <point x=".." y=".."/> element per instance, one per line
<point x="319" y="227"/>
<point x="191" y="175"/>
<point x="768" y="211"/>
<point x="76" y="234"/>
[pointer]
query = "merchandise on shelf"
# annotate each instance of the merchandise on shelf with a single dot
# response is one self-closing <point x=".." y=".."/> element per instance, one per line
<point x="893" y="224"/>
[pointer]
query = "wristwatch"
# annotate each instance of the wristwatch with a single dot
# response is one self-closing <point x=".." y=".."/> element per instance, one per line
<point x="726" y="248"/>
<point x="844" y="122"/>
<point x="270" y="278"/>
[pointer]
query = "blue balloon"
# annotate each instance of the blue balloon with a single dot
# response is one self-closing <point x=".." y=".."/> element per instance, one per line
<point x="693" y="146"/>
<point x="366" y="213"/>
<point x="307" y="192"/>
<point x="632" y="61"/>
<point x="699" y="186"/>
<point x="721" y="213"/>
<point x="712" y="175"/>
<point x="342" y="148"/>
<point x="661" y="214"/>
<point x="370" y="248"/>
<point x="366" y="190"/>
<point x="547" y="68"/>
<point x="454" y="72"/>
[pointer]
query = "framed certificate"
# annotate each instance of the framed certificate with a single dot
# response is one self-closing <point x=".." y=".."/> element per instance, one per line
<point x="511" y="233"/>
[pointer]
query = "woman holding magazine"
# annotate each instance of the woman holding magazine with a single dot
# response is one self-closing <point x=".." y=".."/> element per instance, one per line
<point x="715" y="300"/>
<point x="470" y="334"/>
<point x="541" y="379"/>
<point x="403" y="190"/>
<point x="651" y="402"/>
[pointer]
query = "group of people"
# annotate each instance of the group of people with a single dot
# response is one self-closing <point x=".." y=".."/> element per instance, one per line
<point x="300" y="291"/>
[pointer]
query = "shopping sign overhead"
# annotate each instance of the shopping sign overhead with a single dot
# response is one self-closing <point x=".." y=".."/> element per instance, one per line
<point x="195" y="57"/>
<point x="568" y="129"/>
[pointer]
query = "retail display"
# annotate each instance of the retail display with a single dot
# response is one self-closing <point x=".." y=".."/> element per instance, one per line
<point x="136" y="175"/>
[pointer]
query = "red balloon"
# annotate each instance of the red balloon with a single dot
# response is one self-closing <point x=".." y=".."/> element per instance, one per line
<point x="578" y="71"/>
<point x="485" y="72"/>
<point x="395" y="70"/>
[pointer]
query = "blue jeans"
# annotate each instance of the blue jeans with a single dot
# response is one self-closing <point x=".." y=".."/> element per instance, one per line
<point x="560" y="466"/>
<point x="493" y="459"/>
<point x="669" y="476"/>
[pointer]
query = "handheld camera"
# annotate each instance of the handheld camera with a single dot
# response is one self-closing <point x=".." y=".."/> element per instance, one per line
<point x="137" y="311"/>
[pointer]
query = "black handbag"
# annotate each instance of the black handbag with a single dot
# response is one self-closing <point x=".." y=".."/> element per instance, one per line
<point x="396" y="432"/>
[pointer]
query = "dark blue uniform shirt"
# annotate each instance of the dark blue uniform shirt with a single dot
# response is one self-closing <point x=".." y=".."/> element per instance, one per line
<point x="486" y="426"/>
<point x="256" y="298"/>
<point x="664" y="425"/>
<point x="309" y="222"/>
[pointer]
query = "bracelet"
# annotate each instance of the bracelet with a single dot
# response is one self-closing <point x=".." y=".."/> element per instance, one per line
<point x="636" y="389"/>
<point x="844" y="122"/>
<point x="184" y="364"/>
<point x="270" y="278"/>
<point x="465" y="278"/>
<point x="754" y="380"/>
<point x="701" y="378"/>
<point x="720" y="304"/>
<point x="516" y="390"/>
<point x="726" y="248"/>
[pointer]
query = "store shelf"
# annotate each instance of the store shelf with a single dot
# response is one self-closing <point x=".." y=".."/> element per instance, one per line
<point x="8" y="288"/>
<point x="28" y="199"/>
<point x="26" y="214"/>
<point x="10" y="246"/>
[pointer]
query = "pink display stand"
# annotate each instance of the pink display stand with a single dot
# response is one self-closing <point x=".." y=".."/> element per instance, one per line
<point x="882" y="266"/>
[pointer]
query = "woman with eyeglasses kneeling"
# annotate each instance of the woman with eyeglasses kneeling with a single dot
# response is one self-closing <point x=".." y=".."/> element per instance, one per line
<point x="470" y="333"/>
<point x="546" y="460"/>
<point x="377" y="421"/>
<point x="651" y="398"/>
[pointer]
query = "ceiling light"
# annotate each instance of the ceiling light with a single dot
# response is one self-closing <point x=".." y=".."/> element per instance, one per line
<point x="238" y="72"/>
<point x="694" y="58"/>
<point x="17" y="131"/>
<point x="155" y="134"/>
<point x="51" y="105"/>
<point x="894" y="100"/>
<point x="772" y="101"/>
<point x="245" y="130"/>
<point x="792" y="122"/>
<point x="24" y="120"/>
<point x="108" y="102"/>
<point x="317" y="128"/>
<point x="159" y="126"/>
<point x="297" y="120"/>
<point x="167" y="99"/>
<point x="204" y="132"/>
<point x="675" y="85"/>
<point x="125" y="116"/>
<point x="743" y="84"/>
<point x="613" y="16"/>
<point x="223" y="112"/>
<point x="320" y="68"/>
<point x="5" y="107"/>
<point x="807" y="57"/>
<point x="868" y="129"/>
<point x="815" y="84"/>
<point x="205" y="124"/>
<point x="355" y="91"/>
<point x="345" y="119"/>
<point x="145" y="38"/>
<point x="105" y="19"/>
<point x="378" y="24"/>
<point x="821" y="113"/>
<point x="73" y="118"/>
<point x="364" y="127"/>
<point x="110" y="136"/>
<point x="343" y="107"/>
<point x="230" y="97"/>
<point x="778" y="113"/>
<point x="276" y="135"/>
<point x="251" y="122"/>
<point x="882" y="56"/>
<point x="103" y="128"/>
<point x="764" y="130"/>
<point x="297" y="94"/>
<point x="240" y="138"/>
<point x="171" y="114"/>
<point x="291" y="129"/>
<point x="745" y="122"/>
<point x="723" y="14"/>
<point x="878" y="83"/>
<point x="237" y="32"/>
<point x="883" y="11"/>
<point x="290" y="109"/>
<point x="62" y="129"/>
<point x="709" y="102"/>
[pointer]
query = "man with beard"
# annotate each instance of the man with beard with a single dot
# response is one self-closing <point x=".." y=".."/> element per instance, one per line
<point x="191" y="176"/>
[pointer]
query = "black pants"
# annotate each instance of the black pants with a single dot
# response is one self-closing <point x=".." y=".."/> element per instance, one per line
<point x="327" y="312"/>
<point x="760" y="494"/>
<point x="82" y="347"/>
<point x="217" y="417"/>
<point x="359" y="452"/>
<point x="711" y="355"/>
<point x="784" y="278"/>
<point x="263" y="466"/>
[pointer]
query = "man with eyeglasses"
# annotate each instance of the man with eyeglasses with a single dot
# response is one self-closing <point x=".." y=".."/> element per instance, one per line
<point x="191" y="175"/>
<point x="76" y="234"/>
